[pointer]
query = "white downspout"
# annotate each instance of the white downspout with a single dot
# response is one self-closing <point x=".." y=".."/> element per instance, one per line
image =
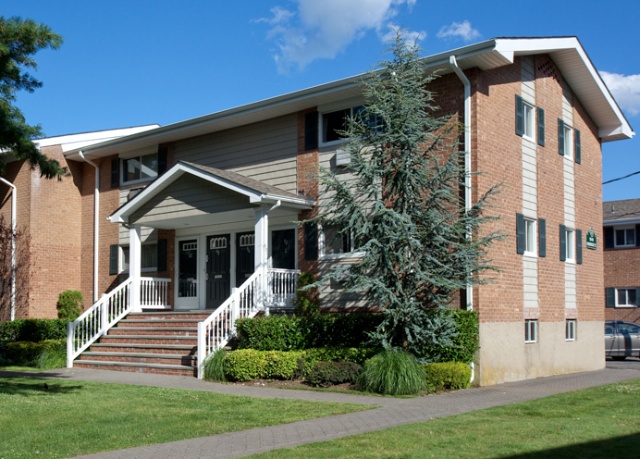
<point x="14" y="203"/>
<point x="467" y="165"/>
<point x="96" y="226"/>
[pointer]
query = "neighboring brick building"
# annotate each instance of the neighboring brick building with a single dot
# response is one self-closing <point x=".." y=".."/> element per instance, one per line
<point x="622" y="259"/>
<point x="535" y="112"/>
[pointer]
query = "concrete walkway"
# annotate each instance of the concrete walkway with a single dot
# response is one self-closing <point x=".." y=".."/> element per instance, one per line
<point x="390" y="412"/>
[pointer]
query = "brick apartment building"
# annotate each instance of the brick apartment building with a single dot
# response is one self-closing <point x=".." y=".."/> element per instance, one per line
<point x="202" y="204"/>
<point x="622" y="259"/>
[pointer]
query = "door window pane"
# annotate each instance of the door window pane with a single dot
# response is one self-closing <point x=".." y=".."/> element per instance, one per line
<point x="188" y="269"/>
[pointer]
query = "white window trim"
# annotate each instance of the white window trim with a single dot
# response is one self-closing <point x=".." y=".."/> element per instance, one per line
<point x="568" y="142"/>
<point x="626" y="305"/>
<point x="625" y="228"/>
<point x="531" y="331"/>
<point x="529" y="115"/>
<point x="531" y="233"/>
<point x="330" y="109"/>
<point x="124" y="182"/>
<point x="570" y="238"/>
<point x="571" y="327"/>
<point x="323" y="255"/>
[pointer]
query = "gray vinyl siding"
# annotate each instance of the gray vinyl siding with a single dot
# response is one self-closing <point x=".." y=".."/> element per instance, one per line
<point x="188" y="197"/>
<point x="264" y="151"/>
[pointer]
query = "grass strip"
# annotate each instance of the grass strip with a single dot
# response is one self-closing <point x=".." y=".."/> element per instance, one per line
<point x="593" y="423"/>
<point x="70" y="418"/>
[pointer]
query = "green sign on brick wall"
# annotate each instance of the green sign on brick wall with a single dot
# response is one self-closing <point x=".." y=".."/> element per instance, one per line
<point x="591" y="242"/>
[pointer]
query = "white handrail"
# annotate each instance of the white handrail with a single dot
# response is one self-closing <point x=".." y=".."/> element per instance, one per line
<point x="113" y="306"/>
<point x="216" y="330"/>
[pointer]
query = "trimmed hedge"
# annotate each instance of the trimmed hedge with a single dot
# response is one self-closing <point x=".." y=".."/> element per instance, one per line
<point x="325" y="374"/>
<point x="34" y="330"/>
<point x="447" y="376"/>
<point x="287" y="333"/>
<point x="250" y="364"/>
<point x="465" y="343"/>
<point x="28" y="352"/>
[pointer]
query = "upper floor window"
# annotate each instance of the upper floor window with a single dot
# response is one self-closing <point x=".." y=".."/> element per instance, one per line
<point x="139" y="168"/>
<point x="570" y="245"/>
<point x="570" y="238"/>
<point x="622" y="297"/>
<point x="334" y="123"/>
<point x="335" y="242"/>
<point x="526" y="124"/>
<point x="625" y="237"/>
<point x="531" y="236"/>
<point x="569" y="143"/>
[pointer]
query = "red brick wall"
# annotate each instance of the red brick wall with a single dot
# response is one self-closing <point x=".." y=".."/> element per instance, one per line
<point x="621" y="270"/>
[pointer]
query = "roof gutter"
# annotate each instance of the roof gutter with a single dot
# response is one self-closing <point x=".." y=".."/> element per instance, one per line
<point x="96" y="225"/>
<point x="14" y="202"/>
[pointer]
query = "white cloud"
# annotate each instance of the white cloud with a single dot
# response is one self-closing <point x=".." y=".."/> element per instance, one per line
<point x="625" y="89"/>
<point x="459" y="30"/>
<point x="411" y="38"/>
<point x="323" y="29"/>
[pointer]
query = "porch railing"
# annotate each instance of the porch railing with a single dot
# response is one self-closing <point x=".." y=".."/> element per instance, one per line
<point x="283" y="283"/>
<point x="113" y="306"/>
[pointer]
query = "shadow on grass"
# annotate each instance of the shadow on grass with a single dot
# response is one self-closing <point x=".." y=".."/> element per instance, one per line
<point x="36" y="385"/>
<point x="627" y="446"/>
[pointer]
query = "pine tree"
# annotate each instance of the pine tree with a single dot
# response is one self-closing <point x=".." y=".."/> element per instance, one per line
<point x="402" y="207"/>
<point x="19" y="40"/>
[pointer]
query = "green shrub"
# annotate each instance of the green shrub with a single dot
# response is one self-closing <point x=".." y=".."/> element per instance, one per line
<point x="392" y="372"/>
<point x="447" y="375"/>
<point x="325" y="374"/>
<point x="214" y="366"/>
<point x="49" y="359"/>
<point x="27" y="352"/>
<point x="33" y="330"/>
<point x="284" y="333"/>
<point x="249" y="364"/>
<point x="70" y="305"/>
<point x="306" y="302"/>
<point x="327" y="354"/>
<point x="465" y="343"/>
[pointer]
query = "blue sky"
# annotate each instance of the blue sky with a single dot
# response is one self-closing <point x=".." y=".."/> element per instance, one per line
<point x="134" y="62"/>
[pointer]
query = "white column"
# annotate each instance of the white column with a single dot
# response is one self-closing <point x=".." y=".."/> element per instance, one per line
<point x="261" y="250"/>
<point x="135" y="264"/>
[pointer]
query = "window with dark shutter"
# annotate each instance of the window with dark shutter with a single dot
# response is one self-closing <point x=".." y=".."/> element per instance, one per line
<point x="610" y="295"/>
<point x="561" y="137"/>
<point x="310" y="241"/>
<point x="115" y="173"/>
<point x="113" y="259"/>
<point x="519" y="116"/>
<point x="542" y="237"/>
<point x="521" y="234"/>
<point x="577" y="147"/>
<point x="311" y="131"/>
<point x="637" y="235"/>
<point x="563" y="243"/>
<point x="540" y="127"/>
<point x="579" y="247"/>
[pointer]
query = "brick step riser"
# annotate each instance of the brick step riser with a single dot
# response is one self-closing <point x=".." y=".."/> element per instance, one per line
<point x="159" y="332"/>
<point x="139" y="340"/>
<point x="175" y="360"/>
<point x="158" y="324"/>
<point x="159" y="371"/>
<point x="154" y="350"/>
<point x="198" y="317"/>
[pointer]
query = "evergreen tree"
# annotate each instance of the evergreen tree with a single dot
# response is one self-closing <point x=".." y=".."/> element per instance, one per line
<point x="402" y="207"/>
<point x="19" y="40"/>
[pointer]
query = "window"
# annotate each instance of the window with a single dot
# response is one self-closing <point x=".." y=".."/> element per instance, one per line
<point x="625" y="237"/>
<point x="622" y="297"/>
<point x="530" y="232"/>
<point x="570" y="329"/>
<point x="139" y="168"/>
<point x="526" y="121"/>
<point x="335" y="242"/>
<point x="149" y="257"/>
<point x="530" y="331"/>
<point x="569" y="143"/>
<point x="336" y="121"/>
<point x="530" y="236"/>
<point x="528" y="114"/>
<point x="570" y="245"/>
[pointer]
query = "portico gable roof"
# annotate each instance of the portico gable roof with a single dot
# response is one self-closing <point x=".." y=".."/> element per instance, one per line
<point x="257" y="192"/>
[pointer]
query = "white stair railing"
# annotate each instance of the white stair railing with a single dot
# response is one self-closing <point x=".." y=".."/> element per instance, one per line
<point x="113" y="306"/>
<point x="283" y="284"/>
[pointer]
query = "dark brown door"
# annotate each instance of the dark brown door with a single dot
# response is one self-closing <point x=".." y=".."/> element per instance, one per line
<point x="245" y="258"/>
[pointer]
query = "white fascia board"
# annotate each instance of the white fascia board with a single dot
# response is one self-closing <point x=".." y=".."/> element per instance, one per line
<point x="77" y="141"/>
<point x="622" y="221"/>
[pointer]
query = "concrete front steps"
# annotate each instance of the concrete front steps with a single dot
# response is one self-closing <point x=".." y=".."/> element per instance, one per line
<point x="148" y="342"/>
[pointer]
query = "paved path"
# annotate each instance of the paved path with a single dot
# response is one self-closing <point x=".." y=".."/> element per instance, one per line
<point x="390" y="412"/>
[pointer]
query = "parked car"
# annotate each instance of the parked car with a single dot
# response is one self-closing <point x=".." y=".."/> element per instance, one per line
<point x="622" y="339"/>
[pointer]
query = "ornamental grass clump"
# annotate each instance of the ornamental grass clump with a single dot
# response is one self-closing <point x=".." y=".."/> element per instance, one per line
<point x="214" y="366"/>
<point x="392" y="372"/>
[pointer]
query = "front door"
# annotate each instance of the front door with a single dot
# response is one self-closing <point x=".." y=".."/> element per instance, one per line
<point x="245" y="259"/>
<point x="187" y="274"/>
<point x="218" y="270"/>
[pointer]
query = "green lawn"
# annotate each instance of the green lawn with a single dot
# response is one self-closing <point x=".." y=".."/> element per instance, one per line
<point x="79" y="417"/>
<point x="603" y="422"/>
